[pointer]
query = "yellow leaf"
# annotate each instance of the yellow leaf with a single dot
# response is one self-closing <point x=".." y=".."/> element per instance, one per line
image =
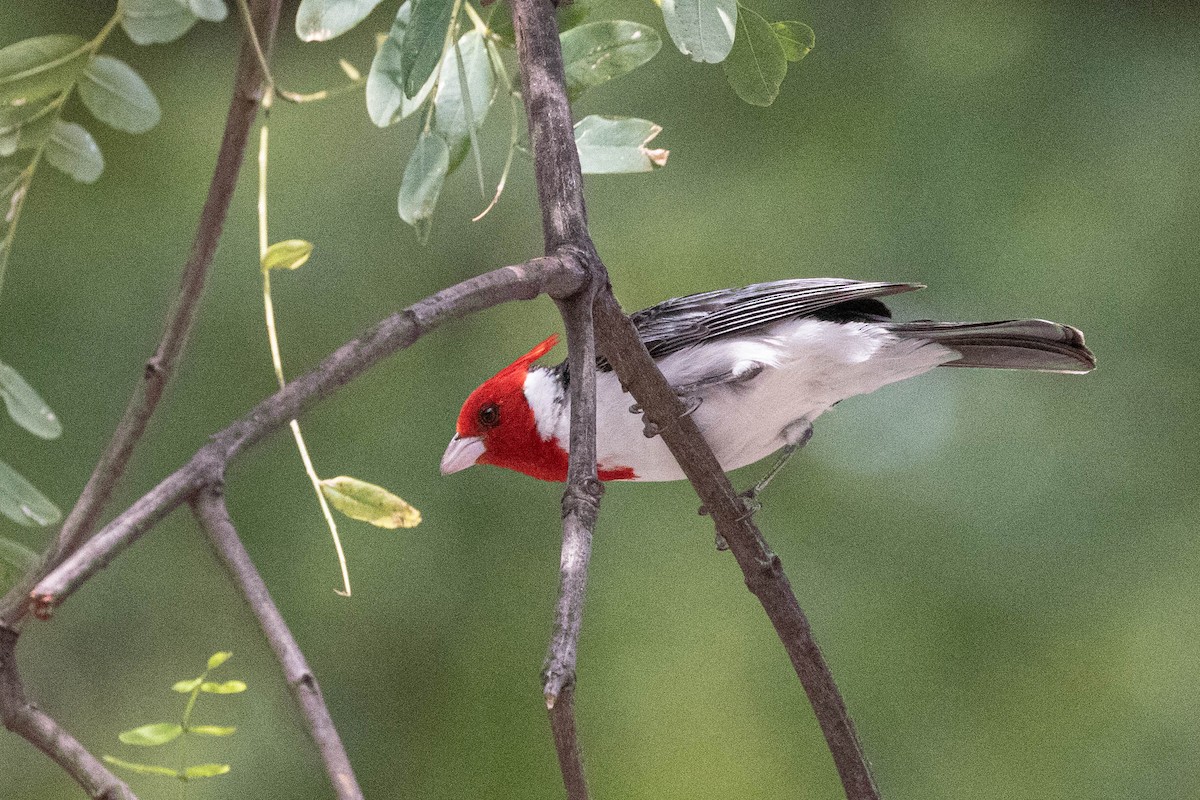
<point x="369" y="503"/>
<point x="289" y="254"/>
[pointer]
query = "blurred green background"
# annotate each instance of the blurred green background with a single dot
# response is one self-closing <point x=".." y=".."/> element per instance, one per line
<point x="1002" y="568"/>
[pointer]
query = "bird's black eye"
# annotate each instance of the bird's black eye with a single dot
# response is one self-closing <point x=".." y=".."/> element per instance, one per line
<point x="489" y="415"/>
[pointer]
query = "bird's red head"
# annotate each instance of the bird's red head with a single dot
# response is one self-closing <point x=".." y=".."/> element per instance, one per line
<point x="497" y="426"/>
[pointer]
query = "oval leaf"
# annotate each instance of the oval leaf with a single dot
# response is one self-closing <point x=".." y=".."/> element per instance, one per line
<point x="151" y="735"/>
<point x="228" y="687"/>
<point x="22" y="503"/>
<point x="452" y="117"/>
<point x="796" y="39"/>
<point x="289" y="254"/>
<point x="39" y="67"/>
<point x="597" y="52"/>
<point x="156" y="21"/>
<point x="15" y="560"/>
<point x="186" y="687"/>
<point x="370" y="503"/>
<point x="218" y="658"/>
<point x="212" y="730"/>
<point x="208" y="10"/>
<point x="117" y="96"/>
<point x="609" y="145"/>
<point x="422" y="183"/>
<point x="205" y="771"/>
<point x="386" y="101"/>
<point x="73" y="150"/>
<point x="756" y="65"/>
<point x="25" y="407"/>
<point x="321" y="20"/>
<point x="142" y="769"/>
<point x="702" y="29"/>
<point x="421" y="49"/>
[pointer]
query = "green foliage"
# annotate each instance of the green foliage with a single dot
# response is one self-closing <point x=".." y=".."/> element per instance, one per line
<point x="40" y="67"/>
<point x="796" y="39"/>
<point x="288" y="254"/>
<point x="465" y="90"/>
<point x="157" y="734"/>
<point x="72" y="150"/>
<point x="321" y="20"/>
<point x="118" y="97"/>
<point x="25" y="406"/>
<point x="162" y="21"/>
<point x="595" y="53"/>
<point x="386" y="101"/>
<point x="756" y="65"/>
<point x="369" y="503"/>
<point x="22" y="503"/>
<point x="610" y="145"/>
<point x="703" y="29"/>
<point x="424" y="42"/>
<point x="422" y="182"/>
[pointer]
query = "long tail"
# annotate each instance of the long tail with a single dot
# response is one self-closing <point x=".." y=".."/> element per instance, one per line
<point x="1035" y="344"/>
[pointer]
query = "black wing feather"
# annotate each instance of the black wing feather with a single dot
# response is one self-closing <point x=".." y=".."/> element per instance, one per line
<point x="683" y="322"/>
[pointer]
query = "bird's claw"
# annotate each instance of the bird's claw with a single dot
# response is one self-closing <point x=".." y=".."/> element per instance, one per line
<point x="749" y="500"/>
<point x="652" y="429"/>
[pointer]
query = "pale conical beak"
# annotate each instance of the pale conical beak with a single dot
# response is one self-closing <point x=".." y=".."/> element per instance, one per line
<point x="462" y="452"/>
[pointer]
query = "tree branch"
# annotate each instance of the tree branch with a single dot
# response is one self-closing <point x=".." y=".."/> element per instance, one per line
<point x="552" y="276"/>
<point x="564" y="219"/>
<point x="213" y="516"/>
<point x="39" y="729"/>
<point x="243" y="109"/>
<point x="565" y="231"/>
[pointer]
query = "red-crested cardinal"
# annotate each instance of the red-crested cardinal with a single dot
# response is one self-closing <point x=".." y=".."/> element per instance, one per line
<point x="758" y="364"/>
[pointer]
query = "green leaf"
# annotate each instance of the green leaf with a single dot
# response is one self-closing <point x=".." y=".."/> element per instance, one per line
<point x="500" y="23"/>
<point x="321" y="20"/>
<point x="15" y="560"/>
<point x="421" y="49"/>
<point x="117" y="96"/>
<point x="212" y="730"/>
<point x="156" y="21"/>
<point x="186" y="687"/>
<point x="151" y="735"/>
<point x="228" y="687"/>
<point x="288" y="254"/>
<point x="611" y="145"/>
<point x="40" y="67"/>
<point x="205" y="771"/>
<point x="796" y="39"/>
<point x="422" y="183"/>
<point x="208" y="10"/>
<point x="25" y="406"/>
<point x="369" y="503"/>
<point x="451" y="116"/>
<point x="756" y="65"/>
<point x="26" y="126"/>
<point x="142" y="769"/>
<point x="218" y="658"/>
<point x="702" y="29"/>
<point x="386" y="101"/>
<point x="22" y="503"/>
<point x="597" y="52"/>
<point x="72" y="150"/>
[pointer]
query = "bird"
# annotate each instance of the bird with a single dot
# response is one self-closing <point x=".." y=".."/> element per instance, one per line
<point x="756" y="366"/>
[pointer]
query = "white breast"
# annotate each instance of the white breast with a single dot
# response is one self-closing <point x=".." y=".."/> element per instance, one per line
<point x="808" y="365"/>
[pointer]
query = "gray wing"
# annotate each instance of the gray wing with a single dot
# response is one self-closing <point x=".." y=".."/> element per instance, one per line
<point x="683" y="322"/>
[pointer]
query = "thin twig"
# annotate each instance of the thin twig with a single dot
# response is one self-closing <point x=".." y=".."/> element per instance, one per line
<point x="39" y="729"/>
<point x="566" y="742"/>
<point x="210" y="510"/>
<point x="526" y="281"/>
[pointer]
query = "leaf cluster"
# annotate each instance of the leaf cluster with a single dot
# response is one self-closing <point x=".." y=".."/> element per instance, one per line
<point x="157" y="734"/>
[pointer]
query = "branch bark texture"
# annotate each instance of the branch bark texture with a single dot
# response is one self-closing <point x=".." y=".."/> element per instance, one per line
<point x="213" y="516"/>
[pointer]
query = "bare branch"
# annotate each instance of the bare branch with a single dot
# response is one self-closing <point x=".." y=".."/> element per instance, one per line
<point x="210" y="510"/>
<point x="570" y="762"/>
<point x="552" y="276"/>
<point x="243" y="109"/>
<point x="762" y="568"/>
<point x="39" y="729"/>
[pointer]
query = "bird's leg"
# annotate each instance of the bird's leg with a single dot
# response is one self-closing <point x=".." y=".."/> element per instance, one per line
<point x="796" y="434"/>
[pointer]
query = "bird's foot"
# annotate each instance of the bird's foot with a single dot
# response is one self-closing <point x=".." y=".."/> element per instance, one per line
<point x="751" y="504"/>
<point x="652" y="429"/>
